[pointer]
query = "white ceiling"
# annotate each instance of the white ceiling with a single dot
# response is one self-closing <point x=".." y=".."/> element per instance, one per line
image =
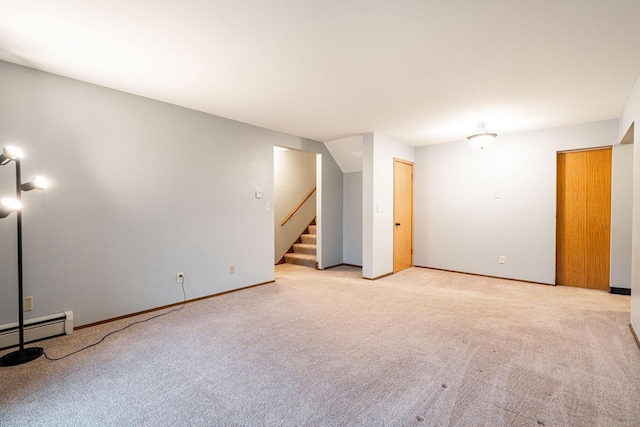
<point x="422" y="71"/>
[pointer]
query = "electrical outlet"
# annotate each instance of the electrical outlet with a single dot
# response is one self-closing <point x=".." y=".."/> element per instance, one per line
<point x="232" y="268"/>
<point x="180" y="277"/>
<point x="503" y="259"/>
<point x="27" y="304"/>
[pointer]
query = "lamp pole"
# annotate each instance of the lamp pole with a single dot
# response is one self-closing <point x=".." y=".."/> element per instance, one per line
<point x="23" y="355"/>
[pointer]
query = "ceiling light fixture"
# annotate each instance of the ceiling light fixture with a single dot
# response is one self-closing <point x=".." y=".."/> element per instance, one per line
<point x="481" y="137"/>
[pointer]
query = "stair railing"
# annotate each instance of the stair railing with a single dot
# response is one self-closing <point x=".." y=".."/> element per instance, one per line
<point x="293" y="212"/>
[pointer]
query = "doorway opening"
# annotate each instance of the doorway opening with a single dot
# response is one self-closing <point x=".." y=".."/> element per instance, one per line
<point x="297" y="207"/>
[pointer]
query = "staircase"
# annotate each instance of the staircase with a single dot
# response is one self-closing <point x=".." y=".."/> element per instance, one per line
<point x="303" y="252"/>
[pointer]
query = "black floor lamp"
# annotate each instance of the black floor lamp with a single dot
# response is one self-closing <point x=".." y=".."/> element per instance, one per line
<point x="9" y="154"/>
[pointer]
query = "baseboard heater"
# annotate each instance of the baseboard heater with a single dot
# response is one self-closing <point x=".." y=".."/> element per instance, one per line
<point x="37" y="329"/>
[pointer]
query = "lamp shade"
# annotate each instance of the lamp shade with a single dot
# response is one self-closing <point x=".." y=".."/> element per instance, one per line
<point x="10" y="153"/>
<point x="8" y="205"/>
<point x="482" y="137"/>
<point x="37" y="183"/>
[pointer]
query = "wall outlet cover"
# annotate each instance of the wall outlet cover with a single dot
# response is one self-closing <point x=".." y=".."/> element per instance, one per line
<point x="27" y="304"/>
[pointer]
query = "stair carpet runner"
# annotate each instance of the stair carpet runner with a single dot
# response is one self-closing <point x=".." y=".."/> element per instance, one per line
<point x="304" y="253"/>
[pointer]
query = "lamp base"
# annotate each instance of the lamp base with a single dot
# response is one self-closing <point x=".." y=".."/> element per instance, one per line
<point x="19" y="357"/>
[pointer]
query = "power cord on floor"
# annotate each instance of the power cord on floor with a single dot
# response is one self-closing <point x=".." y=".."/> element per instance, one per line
<point x="184" y="302"/>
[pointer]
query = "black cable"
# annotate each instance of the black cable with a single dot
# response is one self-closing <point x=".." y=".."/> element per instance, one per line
<point x="184" y="302"/>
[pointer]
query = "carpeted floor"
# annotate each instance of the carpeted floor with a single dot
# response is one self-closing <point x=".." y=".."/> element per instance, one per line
<point x="326" y="348"/>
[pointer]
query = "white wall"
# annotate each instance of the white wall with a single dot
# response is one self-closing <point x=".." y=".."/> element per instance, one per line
<point x="140" y="190"/>
<point x="368" y="210"/>
<point x="347" y="152"/>
<point x="377" y="234"/>
<point x="631" y="115"/>
<point x="621" y="215"/>
<point x="459" y="224"/>
<point x="352" y="222"/>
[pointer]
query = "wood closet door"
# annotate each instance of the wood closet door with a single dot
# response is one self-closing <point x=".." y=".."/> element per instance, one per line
<point x="583" y="219"/>
<point x="402" y="214"/>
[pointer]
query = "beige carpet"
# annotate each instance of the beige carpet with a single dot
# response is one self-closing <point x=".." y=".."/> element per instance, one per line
<point x="326" y="348"/>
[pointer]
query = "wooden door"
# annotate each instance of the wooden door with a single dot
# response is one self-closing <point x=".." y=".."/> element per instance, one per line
<point x="583" y="219"/>
<point x="402" y="214"/>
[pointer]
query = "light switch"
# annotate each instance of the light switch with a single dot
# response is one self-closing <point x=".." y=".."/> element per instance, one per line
<point x="258" y="194"/>
<point x="378" y="208"/>
<point x="496" y="195"/>
<point x="267" y="206"/>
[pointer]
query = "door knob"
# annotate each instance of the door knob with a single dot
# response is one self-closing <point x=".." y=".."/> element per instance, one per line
<point x="397" y="224"/>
